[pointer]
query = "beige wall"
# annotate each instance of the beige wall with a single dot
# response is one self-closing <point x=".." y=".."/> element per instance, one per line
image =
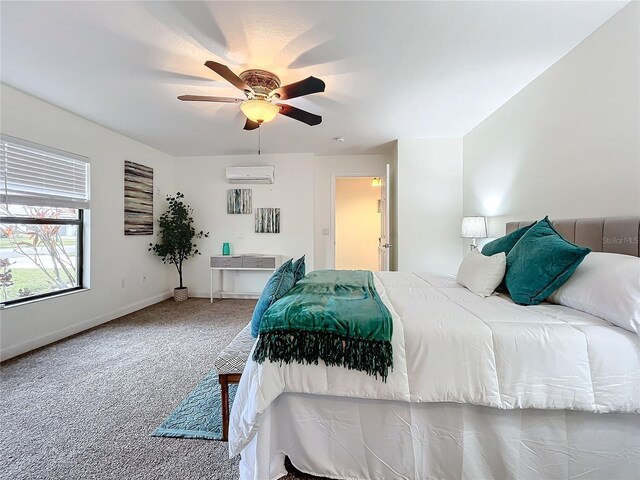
<point x="567" y="145"/>
<point x="357" y="224"/>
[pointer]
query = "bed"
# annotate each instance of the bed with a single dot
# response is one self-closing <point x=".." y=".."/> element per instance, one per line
<point x="481" y="388"/>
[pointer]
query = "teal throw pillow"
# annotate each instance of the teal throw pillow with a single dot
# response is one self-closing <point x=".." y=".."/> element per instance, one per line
<point x="506" y="243"/>
<point x="540" y="263"/>
<point x="299" y="269"/>
<point x="278" y="285"/>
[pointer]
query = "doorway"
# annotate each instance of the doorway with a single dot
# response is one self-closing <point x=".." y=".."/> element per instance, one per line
<point x="360" y="215"/>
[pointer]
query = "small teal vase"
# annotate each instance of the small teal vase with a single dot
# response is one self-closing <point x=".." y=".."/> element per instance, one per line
<point x="226" y="249"/>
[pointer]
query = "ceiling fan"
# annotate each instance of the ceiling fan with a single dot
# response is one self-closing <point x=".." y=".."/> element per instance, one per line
<point x="262" y="90"/>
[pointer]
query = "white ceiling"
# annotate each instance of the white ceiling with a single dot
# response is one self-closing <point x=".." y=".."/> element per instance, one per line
<point x="392" y="69"/>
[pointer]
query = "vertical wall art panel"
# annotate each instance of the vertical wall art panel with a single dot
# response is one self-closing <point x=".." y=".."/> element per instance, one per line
<point x="138" y="199"/>
<point x="267" y="220"/>
<point x="239" y="200"/>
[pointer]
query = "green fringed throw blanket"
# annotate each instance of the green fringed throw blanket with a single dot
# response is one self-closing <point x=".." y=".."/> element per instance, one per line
<point x="333" y="315"/>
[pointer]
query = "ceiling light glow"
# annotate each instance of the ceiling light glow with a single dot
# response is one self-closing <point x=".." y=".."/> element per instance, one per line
<point x="258" y="110"/>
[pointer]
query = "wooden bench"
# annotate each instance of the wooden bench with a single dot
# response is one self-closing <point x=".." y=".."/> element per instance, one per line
<point x="230" y="365"/>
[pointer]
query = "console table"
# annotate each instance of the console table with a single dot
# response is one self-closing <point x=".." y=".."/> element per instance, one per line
<point x="239" y="263"/>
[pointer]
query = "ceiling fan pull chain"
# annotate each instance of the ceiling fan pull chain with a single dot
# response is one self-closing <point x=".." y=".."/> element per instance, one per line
<point x="259" y="139"/>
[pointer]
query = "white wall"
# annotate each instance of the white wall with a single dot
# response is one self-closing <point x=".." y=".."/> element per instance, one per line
<point x="112" y="256"/>
<point x="568" y="145"/>
<point x="202" y="180"/>
<point x="303" y="192"/>
<point x="429" y="208"/>
<point x="325" y="168"/>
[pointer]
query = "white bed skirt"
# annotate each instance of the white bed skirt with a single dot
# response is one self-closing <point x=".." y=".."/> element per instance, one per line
<point x="347" y="438"/>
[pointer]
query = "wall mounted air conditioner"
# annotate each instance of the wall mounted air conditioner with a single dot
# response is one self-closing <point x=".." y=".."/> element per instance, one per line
<point x="259" y="174"/>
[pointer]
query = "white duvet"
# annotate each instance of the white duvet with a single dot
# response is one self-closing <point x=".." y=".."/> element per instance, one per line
<point x="450" y="345"/>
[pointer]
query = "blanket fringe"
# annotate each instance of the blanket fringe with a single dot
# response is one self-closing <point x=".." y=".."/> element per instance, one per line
<point x="375" y="357"/>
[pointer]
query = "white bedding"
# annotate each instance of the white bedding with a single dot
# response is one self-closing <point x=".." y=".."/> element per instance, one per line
<point x="351" y="438"/>
<point x="452" y="346"/>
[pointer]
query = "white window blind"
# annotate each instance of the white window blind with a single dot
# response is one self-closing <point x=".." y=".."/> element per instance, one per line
<point x="32" y="174"/>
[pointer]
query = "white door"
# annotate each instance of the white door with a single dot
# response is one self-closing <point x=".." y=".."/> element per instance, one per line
<point x="383" y="241"/>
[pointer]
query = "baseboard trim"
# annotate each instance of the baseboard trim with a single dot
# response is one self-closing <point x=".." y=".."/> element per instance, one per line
<point x="238" y="296"/>
<point x="198" y="294"/>
<point x="42" y="340"/>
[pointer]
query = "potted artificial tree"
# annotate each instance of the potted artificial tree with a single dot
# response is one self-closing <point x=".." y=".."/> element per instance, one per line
<point x="176" y="239"/>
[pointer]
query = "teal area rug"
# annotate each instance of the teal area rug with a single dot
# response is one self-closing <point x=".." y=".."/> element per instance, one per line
<point x="199" y="415"/>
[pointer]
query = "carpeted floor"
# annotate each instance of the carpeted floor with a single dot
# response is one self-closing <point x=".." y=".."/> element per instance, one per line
<point x="83" y="408"/>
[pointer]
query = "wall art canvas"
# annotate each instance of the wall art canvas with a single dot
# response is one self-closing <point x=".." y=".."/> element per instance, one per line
<point x="267" y="220"/>
<point x="138" y="199"/>
<point x="239" y="200"/>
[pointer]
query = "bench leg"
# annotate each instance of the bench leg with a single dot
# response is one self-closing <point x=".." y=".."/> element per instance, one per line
<point x="224" y="390"/>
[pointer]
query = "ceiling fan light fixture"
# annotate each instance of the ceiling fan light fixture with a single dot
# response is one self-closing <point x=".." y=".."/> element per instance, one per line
<point x="260" y="111"/>
<point x="262" y="90"/>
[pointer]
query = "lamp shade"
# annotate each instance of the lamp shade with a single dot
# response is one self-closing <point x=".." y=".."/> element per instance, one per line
<point x="259" y="110"/>
<point x="474" y="227"/>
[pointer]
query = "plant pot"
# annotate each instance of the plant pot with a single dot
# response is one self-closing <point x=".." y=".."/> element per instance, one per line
<point x="180" y="294"/>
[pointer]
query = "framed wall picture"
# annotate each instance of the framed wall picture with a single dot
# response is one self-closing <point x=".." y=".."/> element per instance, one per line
<point x="267" y="220"/>
<point x="239" y="200"/>
<point x="138" y="199"/>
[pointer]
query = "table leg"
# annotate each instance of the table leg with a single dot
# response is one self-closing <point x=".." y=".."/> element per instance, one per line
<point x="224" y="390"/>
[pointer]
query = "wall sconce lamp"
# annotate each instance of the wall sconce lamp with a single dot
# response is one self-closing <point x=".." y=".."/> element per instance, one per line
<point x="473" y="228"/>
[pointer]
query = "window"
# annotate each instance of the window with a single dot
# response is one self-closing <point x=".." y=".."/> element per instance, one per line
<point x="43" y="198"/>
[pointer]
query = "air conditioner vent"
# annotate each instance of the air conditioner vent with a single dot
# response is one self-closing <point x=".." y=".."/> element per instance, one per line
<point x="257" y="174"/>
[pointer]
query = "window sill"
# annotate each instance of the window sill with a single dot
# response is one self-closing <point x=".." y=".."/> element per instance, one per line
<point x="36" y="300"/>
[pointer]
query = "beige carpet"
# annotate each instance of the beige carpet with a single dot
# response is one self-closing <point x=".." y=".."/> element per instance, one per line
<point x="83" y="408"/>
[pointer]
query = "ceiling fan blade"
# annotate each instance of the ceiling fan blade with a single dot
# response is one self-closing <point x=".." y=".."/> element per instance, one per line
<point x="226" y="73"/>
<point x="298" y="89"/>
<point x="300" y="115"/>
<point x="202" y="98"/>
<point x="251" y="125"/>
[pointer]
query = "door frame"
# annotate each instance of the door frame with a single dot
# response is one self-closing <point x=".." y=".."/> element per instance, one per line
<point x="331" y="260"/>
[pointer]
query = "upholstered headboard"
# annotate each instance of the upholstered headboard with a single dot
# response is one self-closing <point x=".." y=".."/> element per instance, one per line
<point x="610" y="234"/>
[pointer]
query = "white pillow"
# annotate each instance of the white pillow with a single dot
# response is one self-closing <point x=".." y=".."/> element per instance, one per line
<point x="606" y="285"/>
<point x="482" y="274"/>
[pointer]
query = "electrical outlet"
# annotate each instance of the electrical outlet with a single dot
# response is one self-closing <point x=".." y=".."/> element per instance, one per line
<point x="325" y="231"/>
<point x="122" y="283"/>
